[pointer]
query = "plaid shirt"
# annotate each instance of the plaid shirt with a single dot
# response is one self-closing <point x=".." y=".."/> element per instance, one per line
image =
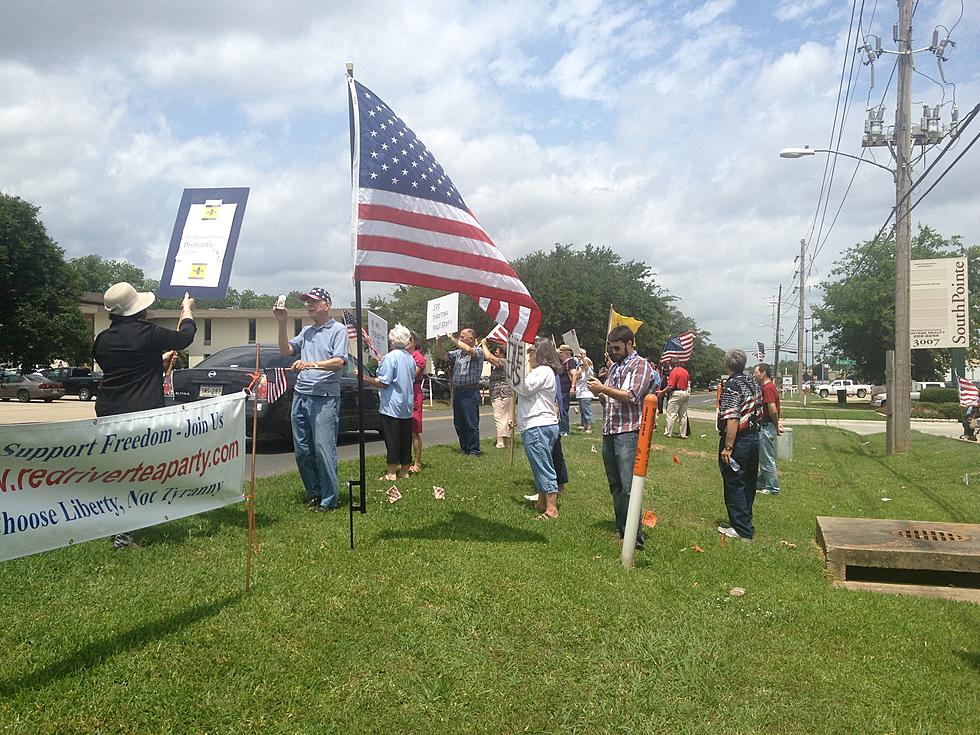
<point x="633" y="375"/>
<point x="467" y="368"/>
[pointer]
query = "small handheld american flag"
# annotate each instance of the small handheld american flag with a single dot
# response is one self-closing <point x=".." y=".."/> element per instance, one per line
<point x="277" y="383"/>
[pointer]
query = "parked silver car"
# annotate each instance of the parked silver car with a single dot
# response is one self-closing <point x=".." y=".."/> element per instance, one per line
<point x="27" y="387"/>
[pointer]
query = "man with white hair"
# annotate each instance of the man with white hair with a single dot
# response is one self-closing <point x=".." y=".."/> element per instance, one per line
<point x="322" y="351"/>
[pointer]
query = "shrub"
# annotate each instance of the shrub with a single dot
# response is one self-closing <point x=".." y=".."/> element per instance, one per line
<point x="921" y="410"/>
<point x="940" y="395"/>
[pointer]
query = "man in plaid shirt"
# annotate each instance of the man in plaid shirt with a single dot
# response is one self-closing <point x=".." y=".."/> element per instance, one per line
<point x="739" y="416"/>
<point x="628" y="381"/>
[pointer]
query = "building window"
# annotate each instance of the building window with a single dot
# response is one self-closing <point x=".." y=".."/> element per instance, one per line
<point x="207" y="331"/>
<point x="297" y="326"/>
<point x="251" y="331"/>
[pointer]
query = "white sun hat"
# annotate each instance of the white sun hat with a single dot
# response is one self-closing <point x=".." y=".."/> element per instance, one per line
<point x="123" y="300"/>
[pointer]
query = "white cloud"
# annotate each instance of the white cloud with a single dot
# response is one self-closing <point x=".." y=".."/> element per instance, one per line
<point x="649" y="129"/>
<point x="707" y="13"/>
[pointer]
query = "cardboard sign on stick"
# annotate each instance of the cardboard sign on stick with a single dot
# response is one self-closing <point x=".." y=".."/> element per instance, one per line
<point x="442" y="316"/>
<point x="571" y="339"/>
<point x="202" y="246"/>
<point x="516" y="361"/>
<point x="378" y="332"/>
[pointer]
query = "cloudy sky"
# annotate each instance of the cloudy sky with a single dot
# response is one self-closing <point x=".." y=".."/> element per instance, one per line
<point x="652" y="128"/>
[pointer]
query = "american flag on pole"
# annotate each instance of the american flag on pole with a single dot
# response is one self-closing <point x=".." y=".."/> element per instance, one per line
<point x="680" y="347"/>
<point x="498" y="334"/>
<point x="969" y="395"/>
<point x="411" y="225"/>
<point x="276" y="378"/>
<point x="761" y="354"/>
<point x="351" y="323"/>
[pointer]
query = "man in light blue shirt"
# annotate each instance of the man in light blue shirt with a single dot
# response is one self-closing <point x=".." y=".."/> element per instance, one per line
<point x="322" y="351"/>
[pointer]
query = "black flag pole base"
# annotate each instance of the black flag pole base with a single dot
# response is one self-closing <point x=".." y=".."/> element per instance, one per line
<point x="352" y="506"/>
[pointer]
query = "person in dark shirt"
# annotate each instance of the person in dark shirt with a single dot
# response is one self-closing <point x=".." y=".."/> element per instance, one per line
<point x="130" y="351"/>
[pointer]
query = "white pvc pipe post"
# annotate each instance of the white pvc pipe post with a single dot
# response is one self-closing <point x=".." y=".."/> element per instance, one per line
<point x="635" y="511"/>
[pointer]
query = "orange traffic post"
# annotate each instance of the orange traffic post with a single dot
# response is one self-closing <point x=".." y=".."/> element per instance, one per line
<point x="633" y="515"/>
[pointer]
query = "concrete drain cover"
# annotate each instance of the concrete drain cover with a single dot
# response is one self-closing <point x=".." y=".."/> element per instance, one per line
<point x="902" y="557"/>
<point x="929" y="534"/>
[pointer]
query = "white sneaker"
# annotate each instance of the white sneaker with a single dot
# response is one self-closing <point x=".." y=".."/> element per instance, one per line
<point x="728" y="531"/>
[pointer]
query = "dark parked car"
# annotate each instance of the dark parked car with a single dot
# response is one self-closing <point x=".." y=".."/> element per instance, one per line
<point x="78" y="381"/>
<point x="230" y="371"/>
<point x="439" y="385"/>
<point x="26" y="387"/>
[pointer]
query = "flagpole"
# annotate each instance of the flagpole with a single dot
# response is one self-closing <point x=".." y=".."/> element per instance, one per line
<point x="355" y="164"/>
<point x="250" y="536"/>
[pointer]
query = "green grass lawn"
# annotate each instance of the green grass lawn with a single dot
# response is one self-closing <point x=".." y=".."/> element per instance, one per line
<point x="823" y="409"/>
<point x="466" y="615"/>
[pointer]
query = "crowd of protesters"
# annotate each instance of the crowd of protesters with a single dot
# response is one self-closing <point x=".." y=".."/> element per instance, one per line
<point x="747" y="414"/>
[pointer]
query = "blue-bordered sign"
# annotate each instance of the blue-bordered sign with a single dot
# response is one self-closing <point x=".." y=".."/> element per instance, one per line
<point x="202" y="246"/>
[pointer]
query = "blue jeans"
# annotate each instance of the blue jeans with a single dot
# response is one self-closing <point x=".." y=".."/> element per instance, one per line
<point x="740" y="485"/>
<point x="618" y="456"/>
<point x="466" y="418"/>
<point x="538" y="444"/>
<point x="563" y="413"/>
<point x="585" y="410"/>
<point x="316" y="420"/>
<point x="768" y="478"/>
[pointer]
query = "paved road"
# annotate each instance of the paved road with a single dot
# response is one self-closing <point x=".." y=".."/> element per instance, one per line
<point x="272" y="458"/>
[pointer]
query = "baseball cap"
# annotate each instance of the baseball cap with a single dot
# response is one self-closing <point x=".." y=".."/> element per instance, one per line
<point x="316" y="294"/>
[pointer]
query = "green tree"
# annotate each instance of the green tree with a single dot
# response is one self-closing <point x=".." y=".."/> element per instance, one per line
<point x="858" y="310"/>
<point x="40" y="319"/>
<point x="96" y="274"/>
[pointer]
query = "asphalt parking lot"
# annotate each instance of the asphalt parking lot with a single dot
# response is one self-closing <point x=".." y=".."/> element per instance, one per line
<point x="67" y="408"/>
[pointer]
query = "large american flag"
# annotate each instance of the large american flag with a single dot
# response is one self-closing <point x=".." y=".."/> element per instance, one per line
<point x="680" y="347"/>
<point x="969" y="395"/>
<point x="413" y="227"/>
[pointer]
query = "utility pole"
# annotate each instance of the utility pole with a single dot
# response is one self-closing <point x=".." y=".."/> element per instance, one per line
<point x="800" y="334"/>
<point x="900" y="398"/>
<point x="779" y="306"/>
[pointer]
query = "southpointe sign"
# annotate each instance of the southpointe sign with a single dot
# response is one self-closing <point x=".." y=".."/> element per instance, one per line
<point x="940" y="303"/>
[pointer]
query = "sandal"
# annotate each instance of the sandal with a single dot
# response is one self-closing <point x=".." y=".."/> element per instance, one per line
<point x="545" y="517"/>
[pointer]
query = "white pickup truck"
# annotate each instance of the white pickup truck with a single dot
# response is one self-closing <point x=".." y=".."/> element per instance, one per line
<point x="880" y="399"/>
<point x="825" y="390"/>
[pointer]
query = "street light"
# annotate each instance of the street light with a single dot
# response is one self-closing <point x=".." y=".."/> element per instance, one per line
<point x="808" y="151"/>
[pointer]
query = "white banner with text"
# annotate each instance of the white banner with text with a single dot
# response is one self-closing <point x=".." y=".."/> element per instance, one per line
<point x="72" y="481"/>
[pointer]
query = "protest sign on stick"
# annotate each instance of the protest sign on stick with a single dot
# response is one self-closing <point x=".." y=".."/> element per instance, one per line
<point x="442" y="316"/>
<point x="378" y="333"/>
<point x="571" y="339"/>
<point x="202" y="246"/>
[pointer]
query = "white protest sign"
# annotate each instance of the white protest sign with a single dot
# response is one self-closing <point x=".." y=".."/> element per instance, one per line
<point x="516" y="361"/>
<point x="571" y="339"/>
<point x="62" y="483"/>
<point x="378" y="332"/>
<point x="442" y="316"/>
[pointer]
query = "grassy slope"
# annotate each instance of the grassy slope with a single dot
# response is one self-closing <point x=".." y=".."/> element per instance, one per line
<point x="468" y="616"/>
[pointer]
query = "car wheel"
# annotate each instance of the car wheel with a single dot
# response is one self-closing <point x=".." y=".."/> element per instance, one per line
<point x="824" y="393"/>
<point x="862" y="393"/>
<point x="23" y="396"/>
<point x="84" y="394"/>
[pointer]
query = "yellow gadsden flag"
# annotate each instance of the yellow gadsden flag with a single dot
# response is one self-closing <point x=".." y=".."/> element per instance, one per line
<point x="616" y="319"/>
